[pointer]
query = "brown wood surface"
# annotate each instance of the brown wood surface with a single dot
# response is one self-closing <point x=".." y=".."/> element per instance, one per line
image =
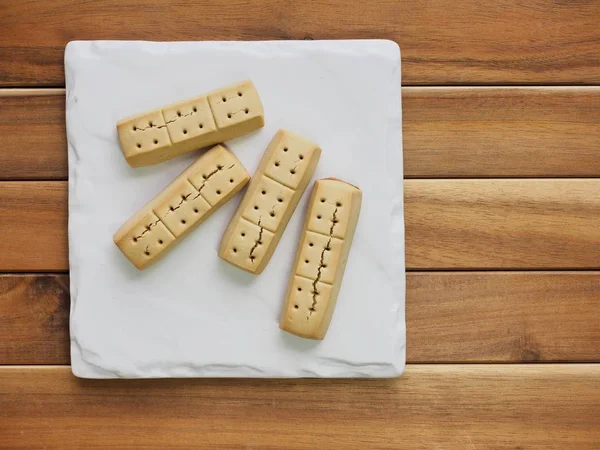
<point x="448" y="132"/>
<point x="451" y="317"/>
<point x="501" y="132"/>
<point x="455" y="407"/>
<point x="483" y="222"/>
<point x="34" y="319"/>
<point x="34" y="141"/>
<point x="467" y="41"/>
<point x="508" y="224"/>
<point x="33" y="226"/>
<point x="503" y="316"/>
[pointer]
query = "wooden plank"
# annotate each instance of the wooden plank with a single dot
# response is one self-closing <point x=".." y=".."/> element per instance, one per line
<point x="501" y="132"/>
<point x="469" y="42"/>
<point x="503" y="316"/>
<point x="482" y="407"/>
<point x="34" y="141"/>
<point x="451" y="317"/>
<point x="450" y="224"/>
<point x="33" y="226"/>
<point x="502" y="224"/>
<point x="448" y="132"/>
<point x="34" y="319"/>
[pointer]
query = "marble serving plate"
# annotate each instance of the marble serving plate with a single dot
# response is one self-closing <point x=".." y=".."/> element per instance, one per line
<point x="192" y="314"/>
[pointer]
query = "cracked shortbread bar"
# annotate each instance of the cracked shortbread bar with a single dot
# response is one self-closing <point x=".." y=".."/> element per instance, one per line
<point x="282" y="176"/>
<point x="321" y="258"/>
<point x="188" y="201"/>
<point x="156" y="136"/>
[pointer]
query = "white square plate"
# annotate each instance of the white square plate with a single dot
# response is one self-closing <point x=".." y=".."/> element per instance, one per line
<point x="192" y="314"/>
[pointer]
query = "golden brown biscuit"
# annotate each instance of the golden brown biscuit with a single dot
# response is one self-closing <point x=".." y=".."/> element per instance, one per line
<point x="188" y="201"/>
<point x="156" y="136"/>
<point x="321" y="258"/>
<point x="270" y="200"/>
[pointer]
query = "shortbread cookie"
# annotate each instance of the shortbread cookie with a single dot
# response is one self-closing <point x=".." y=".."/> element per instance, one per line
<point x="333" y="211"/>
<point x="159" y="135"/>
<point x="272" y="196"/>
<point x="188" y="201"/>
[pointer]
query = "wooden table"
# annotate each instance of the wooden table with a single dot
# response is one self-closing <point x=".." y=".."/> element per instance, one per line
<point x="502" y="159"/>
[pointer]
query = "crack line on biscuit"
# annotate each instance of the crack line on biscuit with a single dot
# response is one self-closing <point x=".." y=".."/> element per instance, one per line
<point x="226" y="98"/>
<point x="239" y="110"/>
<point x="313" y="308"/>
<point x="173" y="209"/>
<point x="256" y="243"/>
<point x="219" y="168"/>
<point x="148" y="228"/>
<point x="166" y="122"/>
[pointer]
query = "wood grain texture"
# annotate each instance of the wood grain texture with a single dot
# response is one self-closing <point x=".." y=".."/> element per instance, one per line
<point x="33" y="226"/>
<point x="503" y="316"/>
<point x="507" y="41"/>
<point x="451" y="317"/>
<point x="34" y="319"/>
<point x="448" y="132"/>
<point x="482" y="407"/>
<point x="502" y="224"/>
<point x="453" y="224"/>
<point x="450" y="224"/>
<point x="34" y="141"/>
<point x="501" y="132"/>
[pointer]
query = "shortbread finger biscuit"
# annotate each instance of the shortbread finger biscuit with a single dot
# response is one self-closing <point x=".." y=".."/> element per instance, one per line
<point x="156" y="136"/>
<point x="272" y="196"/>
<point x="321" y="258"/>
<point x="188" y="201"/>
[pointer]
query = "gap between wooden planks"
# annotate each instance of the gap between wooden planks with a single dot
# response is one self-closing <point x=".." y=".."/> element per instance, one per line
<point x="498" y="317"/>
<point x="465" y="42"/>
<point x="480" y="406"/>
<point x="449" y="132"/>
<point x="450" y="224"/>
